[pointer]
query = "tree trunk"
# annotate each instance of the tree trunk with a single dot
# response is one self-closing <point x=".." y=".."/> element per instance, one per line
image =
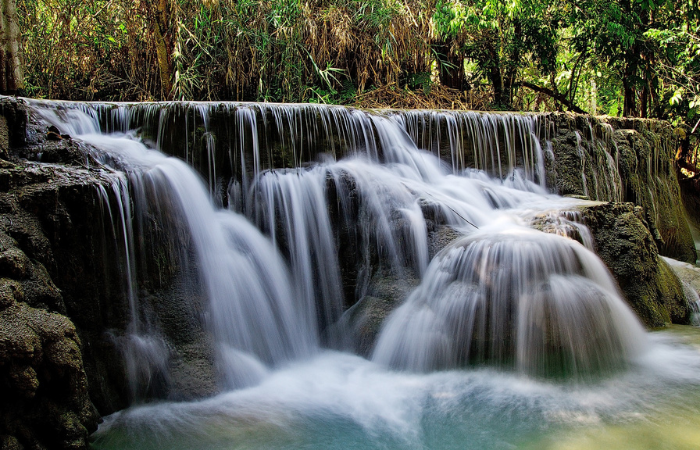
<point x="500" y="100"/>
<point x="644" y="102"/>
<point x="451" y="67"/>
<point x="159" y="18"/>
<point x="511" y="72"/>
<point x="11" y="79"/>
<point x="630" y="106"/>
<point x="630" y="81"/>
<point x="492" y="63"/>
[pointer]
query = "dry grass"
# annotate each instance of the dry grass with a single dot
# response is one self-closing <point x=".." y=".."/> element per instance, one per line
<point x="279" y="50"/>
<point x="439" y="97"/>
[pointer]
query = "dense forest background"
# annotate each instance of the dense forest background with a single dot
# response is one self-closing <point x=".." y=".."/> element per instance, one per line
<point x="637" y="58"/>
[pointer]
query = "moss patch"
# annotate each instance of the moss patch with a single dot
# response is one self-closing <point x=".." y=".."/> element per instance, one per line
<point x="623" y="160"/>
<point x="625" y="244"/>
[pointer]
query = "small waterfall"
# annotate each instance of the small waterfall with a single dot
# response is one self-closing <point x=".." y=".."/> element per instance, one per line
<point x="511" y="297"/>
<point x="292" y="207"/>
<point x="252" y="137"/>
<point x="694" y="301"/>
<point x="689" y="275"/>
<point x="251" y="310"/>
<point x="492" y="139"/>
<point x="145" y="351"/>
<point x="246" y="282"/>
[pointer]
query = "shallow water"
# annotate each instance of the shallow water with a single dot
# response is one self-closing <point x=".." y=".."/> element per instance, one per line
<point x="337" y="400"/>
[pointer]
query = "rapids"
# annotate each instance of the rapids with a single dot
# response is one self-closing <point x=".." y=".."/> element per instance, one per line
<point x="512" y="338"/>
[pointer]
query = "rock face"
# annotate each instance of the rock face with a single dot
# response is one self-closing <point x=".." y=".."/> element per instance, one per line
<point x="623" y="160"/>
<point x="624" y="242"/>
<point x="361" y="323"/>
<point x="690" y="193"/>
<point x="54" y="216"/>
<point x="42" y="382"/>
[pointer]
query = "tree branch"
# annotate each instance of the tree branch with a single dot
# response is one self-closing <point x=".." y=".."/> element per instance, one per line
<point x="555" y="95"/>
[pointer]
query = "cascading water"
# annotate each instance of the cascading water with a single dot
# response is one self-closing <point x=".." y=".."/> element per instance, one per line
<point x="295" y="202"/>
<point x="255" y="321"/>
<point x="513" y="297"/>
<point x="689" y="275"/>
<point x="462" y="363"/>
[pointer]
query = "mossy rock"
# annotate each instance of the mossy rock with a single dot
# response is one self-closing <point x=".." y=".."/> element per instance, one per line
<point x="364" y="320"/>
<point x="623" y="160"/>
<point x="42" y="383"/>
<point x="671" y="294"/>
<point x="625" y="244"/>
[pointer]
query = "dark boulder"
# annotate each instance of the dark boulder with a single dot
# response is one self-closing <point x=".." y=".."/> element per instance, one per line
<point x="42" y="381"/>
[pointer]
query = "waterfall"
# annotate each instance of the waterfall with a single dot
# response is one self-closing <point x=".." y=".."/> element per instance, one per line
<point x="251" y="299"/>
<point x="694" y="300"/>
<point x="515" y="298"/>
<point x="320" y="201"/>
<point x="292" y="206"/>
<point x="689" y="275"/>
<point x="283" y="235"/>
<point x="246" y="281"/>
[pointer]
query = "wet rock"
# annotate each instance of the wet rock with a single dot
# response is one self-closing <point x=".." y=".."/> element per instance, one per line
<point x="192" y="372"/>
<point x="14" y="264"/>
<point x="690" y="194"/>
<point x="687" y="273"/>
<point x="608" y="159"/>
<point x="359" y="326"/>
<point x="10" y="291"/>
<point x="625" y="244"/>
<point x="49" y="238"/>
<point x="53" y="245"/>
<point x="42" y="381"/>
<point x="13" y="126"/>
<point x="40" y="291"/>
<point x="364" y="320"/>
<point x="440" y="238"/>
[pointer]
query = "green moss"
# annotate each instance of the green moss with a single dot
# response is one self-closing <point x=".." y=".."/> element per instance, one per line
<point x="567" y="165"/>
<point x="642" y="151"/>
<point x="627" y="247"/>
<point x="670" y="294"/>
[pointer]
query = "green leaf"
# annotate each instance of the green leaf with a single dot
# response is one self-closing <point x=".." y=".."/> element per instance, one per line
<point x="677" y="97"/>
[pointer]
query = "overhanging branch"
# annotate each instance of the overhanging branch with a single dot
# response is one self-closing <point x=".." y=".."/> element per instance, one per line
<point x="555" y="95"/>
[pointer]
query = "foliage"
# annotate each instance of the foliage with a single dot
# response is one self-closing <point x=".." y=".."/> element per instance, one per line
<point x="502" y="38"/>
<point x="279" y="50"/>
<point x="680" y="68"/>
